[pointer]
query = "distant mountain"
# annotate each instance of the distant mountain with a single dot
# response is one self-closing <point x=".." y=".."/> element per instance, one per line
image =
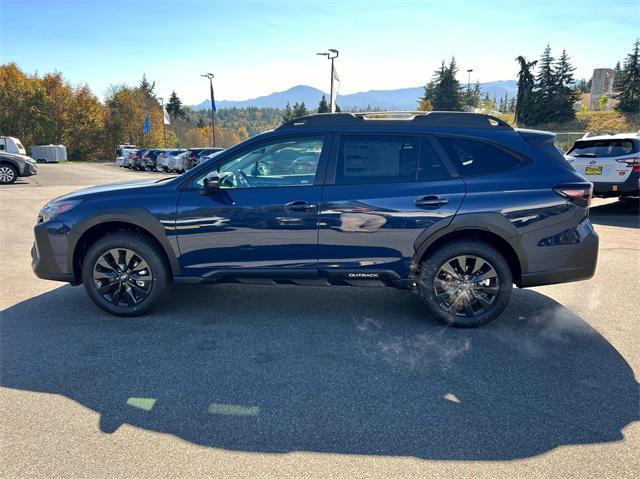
<point x="307" y="94"/>
<point x="401" y="99"/>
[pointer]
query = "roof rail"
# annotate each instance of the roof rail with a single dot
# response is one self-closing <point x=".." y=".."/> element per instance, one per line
<point x="438" y="119"/>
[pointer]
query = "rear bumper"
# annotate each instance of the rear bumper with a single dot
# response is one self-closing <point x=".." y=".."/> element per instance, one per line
<point x="630" y="187"/>
<point x="575" y="257"/>
<point x="49" y="254"/>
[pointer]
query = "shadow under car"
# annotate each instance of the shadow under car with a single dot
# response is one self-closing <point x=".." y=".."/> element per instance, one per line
<point x="341" y="370"/>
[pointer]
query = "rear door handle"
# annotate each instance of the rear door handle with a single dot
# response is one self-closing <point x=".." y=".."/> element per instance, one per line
<point x="431" y="202"/>
<point x="299" y="206"/>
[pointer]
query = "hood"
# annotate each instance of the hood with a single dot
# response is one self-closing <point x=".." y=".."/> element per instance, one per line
<point x="112" y="187"/>
<point x="18" y="156"/>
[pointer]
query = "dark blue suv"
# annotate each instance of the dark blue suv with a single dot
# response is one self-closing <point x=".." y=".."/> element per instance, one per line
<point x="454" y="206"/>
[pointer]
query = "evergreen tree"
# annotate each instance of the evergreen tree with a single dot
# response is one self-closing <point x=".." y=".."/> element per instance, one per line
<point x="525" y="101"/>
<point x="147" y="87"/>
<point x="566" y="92"/>
<point x="425" y="103"/>
<point x="174" y="106"/>
<point x="583" y="86"/>
<point x="617" y="76"/>
<point x="287" y="115"/>
<point x="501" y="104"/>
<point x="545" y="89"/>
<point x="444" y="91"/>
<point x="475" y="95"/>
<point x="629" y="95"/>
<point x="300" y="110"/>
<point x="324" y="107"/>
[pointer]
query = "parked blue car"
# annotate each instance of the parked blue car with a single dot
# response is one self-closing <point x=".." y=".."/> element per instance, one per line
<point x="454" y="206"/>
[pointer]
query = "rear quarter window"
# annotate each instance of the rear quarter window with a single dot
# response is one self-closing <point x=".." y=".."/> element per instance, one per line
<point x="476" y="158"/>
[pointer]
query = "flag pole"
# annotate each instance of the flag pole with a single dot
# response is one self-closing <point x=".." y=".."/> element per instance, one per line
<point x="213" y="113"/>
<point x="213" y="107"/>
<point x="164" y="133"/>
<point x="332" y="103"/>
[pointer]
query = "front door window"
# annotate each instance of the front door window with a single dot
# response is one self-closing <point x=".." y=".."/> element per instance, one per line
<point x="279" y="163"/>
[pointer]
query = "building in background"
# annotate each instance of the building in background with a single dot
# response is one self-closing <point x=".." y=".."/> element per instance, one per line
<point x="601" y="86"/>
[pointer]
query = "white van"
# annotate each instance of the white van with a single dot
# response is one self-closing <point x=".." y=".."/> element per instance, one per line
<point x="49" y="153"/>
<point x="10" y="144"/>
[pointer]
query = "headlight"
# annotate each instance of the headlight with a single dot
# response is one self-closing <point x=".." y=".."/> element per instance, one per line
<point x="56" y="208"/>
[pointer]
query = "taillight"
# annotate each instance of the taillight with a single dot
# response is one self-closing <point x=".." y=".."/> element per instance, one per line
<point x="631" y="163"/>
<point x="577" y="193"/>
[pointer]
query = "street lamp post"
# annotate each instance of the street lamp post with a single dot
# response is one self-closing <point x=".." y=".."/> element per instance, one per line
<point x="213" y="121"/>
<point x="469" y="87"/>
<point x="331" y="54"/>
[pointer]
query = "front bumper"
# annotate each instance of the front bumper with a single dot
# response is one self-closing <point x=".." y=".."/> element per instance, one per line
<point x="29" y="169"/>
<point x="50" y="252"/>
<point x="630" y="187"/>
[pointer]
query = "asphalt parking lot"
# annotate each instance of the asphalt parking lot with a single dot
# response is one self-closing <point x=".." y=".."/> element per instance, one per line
<point x="288" y="381"/>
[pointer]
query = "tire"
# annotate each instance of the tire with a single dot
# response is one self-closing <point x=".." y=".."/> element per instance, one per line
<point x="8" y="174"/>
<point x="448" y="297"/>
<point x="126" y="298"/>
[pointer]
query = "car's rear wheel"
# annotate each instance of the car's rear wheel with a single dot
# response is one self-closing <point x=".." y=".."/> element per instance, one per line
<point x="465" y="283"/>
<point x="8" y="174"/>
<point x="125" y="274"/>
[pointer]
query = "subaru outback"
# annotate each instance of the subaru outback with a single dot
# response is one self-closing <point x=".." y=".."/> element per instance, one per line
<point x="457" y="207"/>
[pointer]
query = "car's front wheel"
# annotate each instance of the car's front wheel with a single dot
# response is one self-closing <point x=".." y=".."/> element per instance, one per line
<point x="465" y="283"/>
<point x="8" y="174"/>
<point x="125" y="274"/>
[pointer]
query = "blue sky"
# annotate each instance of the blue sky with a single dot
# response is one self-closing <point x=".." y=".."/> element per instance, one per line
<point x="255" y="48"/>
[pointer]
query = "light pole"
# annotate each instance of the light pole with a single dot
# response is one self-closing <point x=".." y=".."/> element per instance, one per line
<point x="164" y="133"/>
<point x="331" y="54"/>
<point x="213" y="107"/>
<point x="469" y="87"/>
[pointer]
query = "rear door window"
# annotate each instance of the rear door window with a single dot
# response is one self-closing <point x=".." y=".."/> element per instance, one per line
<point x="430" y="166"/>
<point x="602" y="148"/>
<point x="475" y="158"/>
<point x="364" y="159"/>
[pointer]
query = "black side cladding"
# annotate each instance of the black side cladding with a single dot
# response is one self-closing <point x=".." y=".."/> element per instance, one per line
<point x="545" y="142"/>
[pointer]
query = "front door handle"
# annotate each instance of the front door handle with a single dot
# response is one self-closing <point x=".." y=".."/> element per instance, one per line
<point x="431" y="201"/>
<point x="299" y="206"/>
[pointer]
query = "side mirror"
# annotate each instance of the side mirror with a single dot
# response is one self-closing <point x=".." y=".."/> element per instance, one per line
<point x="212" y="181"/>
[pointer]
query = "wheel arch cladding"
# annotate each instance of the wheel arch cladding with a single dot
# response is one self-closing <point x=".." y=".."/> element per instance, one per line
<point x="6" y="162"/>
<point x="100" y="227"/>
<point x="497" y="241"/>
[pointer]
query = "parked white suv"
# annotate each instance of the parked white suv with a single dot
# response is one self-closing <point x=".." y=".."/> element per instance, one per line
<point x="610" y="162"/>
<point x="124" y="153"/>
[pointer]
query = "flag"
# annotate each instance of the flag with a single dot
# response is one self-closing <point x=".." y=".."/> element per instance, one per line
<point x="335" y="88"/>
<point x="166" y="116"/>
<point x="147" y="124"/>
<point x="213" y="98"/>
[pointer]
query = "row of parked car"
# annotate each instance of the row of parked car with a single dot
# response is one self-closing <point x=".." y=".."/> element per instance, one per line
<point x="174" y="160"/>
